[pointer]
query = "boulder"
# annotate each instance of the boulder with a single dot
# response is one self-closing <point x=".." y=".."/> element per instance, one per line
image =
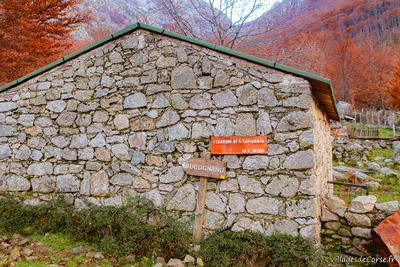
<point x="387" y="171"/>
<point x="390" y="206"/>
<point x="373" y="166"/>
<point x="343" y="108"/>
<point x="355" y="219"/>
<point x="362" y="204"/>
<point x="338" y="176"/>
<point x="335" y="204"/>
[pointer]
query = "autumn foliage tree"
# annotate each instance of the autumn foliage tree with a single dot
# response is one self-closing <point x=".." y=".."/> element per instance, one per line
<point x="392" y="88"/>
<point x="351" y="42"/>
<point x="33" y="33"/>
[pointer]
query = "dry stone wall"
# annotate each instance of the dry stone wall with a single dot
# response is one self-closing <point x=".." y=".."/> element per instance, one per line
<point x="347" y="228"/>
<point x="120" y="120"/>
<point x="347" y="149"/>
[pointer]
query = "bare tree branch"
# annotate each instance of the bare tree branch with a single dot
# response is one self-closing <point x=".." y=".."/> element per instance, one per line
<point x="227" y="23"/>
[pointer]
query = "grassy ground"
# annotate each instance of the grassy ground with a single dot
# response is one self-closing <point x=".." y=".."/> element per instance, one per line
<point x="389" y="188"/>
<point x="387" y="132"/>
<point x="58" y="250"/>
<point x="390" y="185"/>
<point x="240" y="249"/>
<point x="385" y="195"/>
<point x="386" y="153"/>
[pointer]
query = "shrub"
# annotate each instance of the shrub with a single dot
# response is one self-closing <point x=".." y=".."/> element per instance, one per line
<point x="118" y="231"/>
<point x="244" y="248"/>
<point x="121" y="231"/>
<point x="292" y="251"/>
<point x="174" y="239"/>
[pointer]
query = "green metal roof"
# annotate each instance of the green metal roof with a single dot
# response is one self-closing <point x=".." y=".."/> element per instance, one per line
<point x="321" y="87"/>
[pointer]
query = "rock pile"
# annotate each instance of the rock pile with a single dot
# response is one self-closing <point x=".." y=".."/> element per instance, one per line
<point x="18" y="248"/>
<point x="370" y="172"/>
<point x="188" y="261"/>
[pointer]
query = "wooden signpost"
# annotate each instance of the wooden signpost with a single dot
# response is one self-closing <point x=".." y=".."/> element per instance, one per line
<point x="203" y="167"/>
<point x="231" y="145"/>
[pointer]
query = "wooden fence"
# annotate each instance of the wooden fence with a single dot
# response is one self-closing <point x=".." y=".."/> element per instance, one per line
<point x="363" y="132"/>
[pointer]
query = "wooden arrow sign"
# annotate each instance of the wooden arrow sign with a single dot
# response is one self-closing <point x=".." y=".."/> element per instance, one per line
<point x="205" y="168"/>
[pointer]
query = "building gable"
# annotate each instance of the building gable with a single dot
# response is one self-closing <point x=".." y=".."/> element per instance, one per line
<point x="321" y="87"/>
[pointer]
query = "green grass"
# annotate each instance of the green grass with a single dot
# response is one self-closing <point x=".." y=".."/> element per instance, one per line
<point x="387" y="153"/>
<point x="389" y="188"/>
<point x="55" y="249"/>
<point x="387" y="132"/>
<point x="118" y="232"/>
<point x="57" y="241"/>
<point x="31" y="264"/>
<point x="386" y="196"/>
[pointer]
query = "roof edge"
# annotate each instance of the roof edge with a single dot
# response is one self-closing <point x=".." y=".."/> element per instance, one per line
<point x="309" y="76"/>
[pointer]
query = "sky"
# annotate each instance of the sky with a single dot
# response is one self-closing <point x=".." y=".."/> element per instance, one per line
<point x="267" y="5"/>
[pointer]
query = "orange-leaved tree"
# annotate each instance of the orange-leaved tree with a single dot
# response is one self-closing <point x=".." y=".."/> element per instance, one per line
<point x="392" y="88"/>
<point x="33" y="33"/>
<point x="341" y="57"/>
<point x="373" y="63"/>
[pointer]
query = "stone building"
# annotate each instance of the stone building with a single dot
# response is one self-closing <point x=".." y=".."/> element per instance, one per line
<point x="118" y="118"/>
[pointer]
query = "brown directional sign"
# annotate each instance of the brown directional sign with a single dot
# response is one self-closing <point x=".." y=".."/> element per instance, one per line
<point x="230" y="145"/>
<point x="205" y="168"/>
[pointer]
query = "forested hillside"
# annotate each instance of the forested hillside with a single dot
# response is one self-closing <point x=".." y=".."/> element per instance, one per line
<point x="355" y="43"/>
<point x="34" y="33"/>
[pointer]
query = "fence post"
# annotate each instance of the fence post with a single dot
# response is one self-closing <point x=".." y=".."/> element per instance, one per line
<point x="379" y="120"/>
<point x="361" y="115"/>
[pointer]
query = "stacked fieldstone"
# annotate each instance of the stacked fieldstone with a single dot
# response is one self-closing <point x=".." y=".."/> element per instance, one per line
<point x="356" y="150"/>
<point x="349" y="226"/>
<point x="120" y="120"/>
<point x="345" y="149"/>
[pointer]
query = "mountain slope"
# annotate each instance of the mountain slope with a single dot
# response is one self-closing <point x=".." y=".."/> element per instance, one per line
<point x="378" y="17"/>
<point x="111" y="16"/>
